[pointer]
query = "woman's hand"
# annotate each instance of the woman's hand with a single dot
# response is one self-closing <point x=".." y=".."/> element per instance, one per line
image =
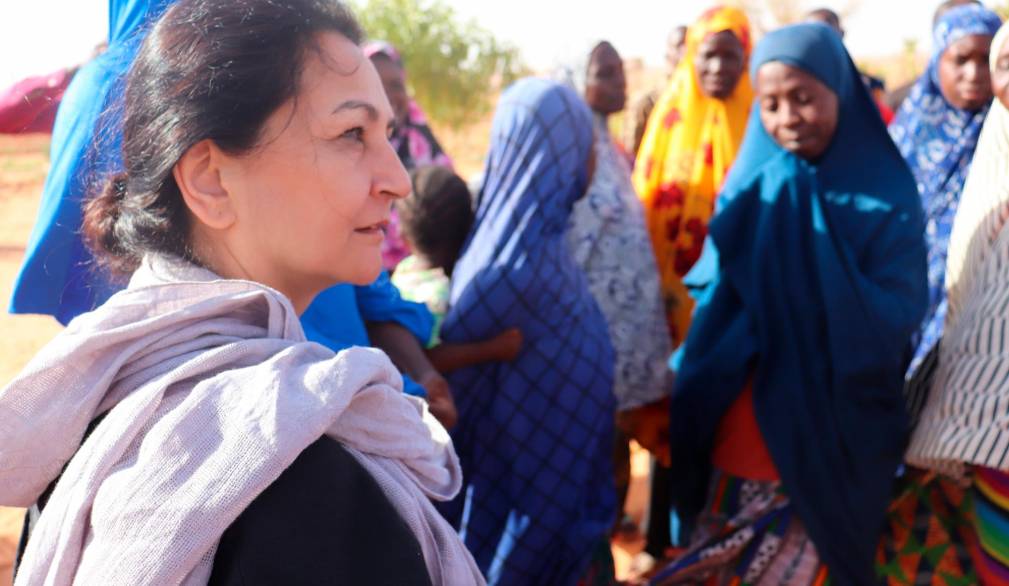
<point x="407" y="354"/>
<point x="506" y="346"/>
<point x="439" y="399"/>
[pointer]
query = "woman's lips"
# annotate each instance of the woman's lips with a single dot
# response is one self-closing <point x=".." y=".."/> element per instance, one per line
<point x="973" y="92"/>
<point x="377" y="229"/>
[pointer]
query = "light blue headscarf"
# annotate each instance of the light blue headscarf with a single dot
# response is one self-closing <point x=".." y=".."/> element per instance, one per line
<point x="58" y="276"/>
<point x="937" y="140"/>
<point x="815" y="276"/>
<point x="534" y="435"/>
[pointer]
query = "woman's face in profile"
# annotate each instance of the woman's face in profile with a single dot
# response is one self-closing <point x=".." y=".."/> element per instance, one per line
<point x="314" y="197"/>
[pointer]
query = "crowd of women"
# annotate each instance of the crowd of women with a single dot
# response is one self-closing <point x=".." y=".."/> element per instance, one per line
<point x="799" y="311"/>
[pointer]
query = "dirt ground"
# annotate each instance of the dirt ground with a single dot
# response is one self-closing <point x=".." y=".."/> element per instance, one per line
<point x="23" y="165"/>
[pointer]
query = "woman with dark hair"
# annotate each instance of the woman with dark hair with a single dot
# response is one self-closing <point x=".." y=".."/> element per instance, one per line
<point x="185" y="431"/>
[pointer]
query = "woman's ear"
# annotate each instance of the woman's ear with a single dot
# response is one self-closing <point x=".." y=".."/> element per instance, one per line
<point x="198" y="175"/>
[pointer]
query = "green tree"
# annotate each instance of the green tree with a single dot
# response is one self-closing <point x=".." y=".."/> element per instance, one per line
<point x="454" y="68"/>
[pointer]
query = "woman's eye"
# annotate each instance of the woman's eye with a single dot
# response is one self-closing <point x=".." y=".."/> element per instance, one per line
<point x="356" y="133"/>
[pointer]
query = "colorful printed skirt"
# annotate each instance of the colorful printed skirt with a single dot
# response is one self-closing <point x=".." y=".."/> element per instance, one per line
<point x="947" y="533"/>
<point x="928" y="537"/>
<point x="990" y="507"/>
<point x="748" y="534"/>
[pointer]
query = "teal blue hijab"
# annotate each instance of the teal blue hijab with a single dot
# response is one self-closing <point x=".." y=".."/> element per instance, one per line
<point x="814" y="280"/>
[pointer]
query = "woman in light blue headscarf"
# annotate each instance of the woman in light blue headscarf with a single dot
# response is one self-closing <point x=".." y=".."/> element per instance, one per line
<point x="788" y="422"/>
<point x="937" y="130"/>
<point x="534" y="435"/>
<point x="58" y="276"/>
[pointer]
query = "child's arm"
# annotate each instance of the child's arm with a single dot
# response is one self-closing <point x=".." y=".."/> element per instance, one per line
<point x="504" y="347"/>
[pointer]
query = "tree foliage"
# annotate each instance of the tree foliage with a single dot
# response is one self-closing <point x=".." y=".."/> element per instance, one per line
<point x="454" y="68"/>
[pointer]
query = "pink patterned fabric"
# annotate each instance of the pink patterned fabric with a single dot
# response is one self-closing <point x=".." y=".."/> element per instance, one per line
<point x="416" y="146"/>
<point x="30" y="105"/>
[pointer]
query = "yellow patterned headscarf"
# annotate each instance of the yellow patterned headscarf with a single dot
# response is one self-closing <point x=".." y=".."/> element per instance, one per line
<point x="690" y="142"/>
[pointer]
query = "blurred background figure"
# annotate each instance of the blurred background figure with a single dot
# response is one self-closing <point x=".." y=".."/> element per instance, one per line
<point x="896" y="97"/>
<point x="937" y="130"/>
<point x="641" y="109"/>
<point x="610" y="243"/>
<point x="691" y="141"/>
<point x="411" y="136"/>
<point x="961" y="435"/>
<point x="788" y="421"/>
<point x="435" y="219"/>
<point x="58" y="276"/>
<point x="877" y="88"/>
<point x="535" y="436"/>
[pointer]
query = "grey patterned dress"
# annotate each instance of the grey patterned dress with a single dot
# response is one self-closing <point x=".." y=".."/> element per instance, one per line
<point x="609" y="241"/>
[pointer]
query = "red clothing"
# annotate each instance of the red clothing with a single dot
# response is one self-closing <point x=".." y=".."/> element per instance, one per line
<point x="884" y="111"/>
<point x="740" y="449"/>
<point x="30" y="105"/>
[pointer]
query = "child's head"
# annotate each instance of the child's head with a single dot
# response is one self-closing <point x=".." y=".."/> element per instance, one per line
<point x="437" y="217"/>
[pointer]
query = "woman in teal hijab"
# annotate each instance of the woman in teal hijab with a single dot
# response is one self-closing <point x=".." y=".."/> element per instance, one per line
<point x="788" y="422"/>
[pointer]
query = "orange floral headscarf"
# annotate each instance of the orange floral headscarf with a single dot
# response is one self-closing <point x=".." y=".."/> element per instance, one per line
<point x="690" y="142"/>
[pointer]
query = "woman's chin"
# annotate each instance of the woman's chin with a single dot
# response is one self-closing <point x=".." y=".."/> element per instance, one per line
<point x="364" y="273"/>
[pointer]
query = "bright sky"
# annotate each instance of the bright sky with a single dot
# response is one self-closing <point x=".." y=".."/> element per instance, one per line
<point x="39" y="36"/>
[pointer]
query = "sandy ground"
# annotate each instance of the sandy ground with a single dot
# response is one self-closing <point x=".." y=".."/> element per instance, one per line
<point x="23" y="164"/>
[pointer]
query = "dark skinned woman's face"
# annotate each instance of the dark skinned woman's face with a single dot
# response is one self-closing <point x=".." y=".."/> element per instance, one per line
<point x="606" y="86"/>
<point x="964" y="77"/>
<point x="797" y="110"/>
<point x="394" y="82"/>
<point x="1000" y="76"/>
<point x="720" y="62"/>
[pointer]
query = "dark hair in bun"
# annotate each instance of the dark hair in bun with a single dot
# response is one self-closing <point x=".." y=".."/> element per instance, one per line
<point x="209" y="69"/>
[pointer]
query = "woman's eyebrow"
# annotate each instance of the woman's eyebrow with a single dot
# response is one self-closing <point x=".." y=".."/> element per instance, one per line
<point x="371" y="111"/>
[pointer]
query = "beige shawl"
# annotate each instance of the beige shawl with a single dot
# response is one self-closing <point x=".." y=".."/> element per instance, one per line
<point x="211" y="391"/>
